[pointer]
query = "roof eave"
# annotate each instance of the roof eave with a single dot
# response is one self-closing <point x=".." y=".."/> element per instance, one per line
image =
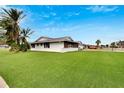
<point x="53" y="42"/>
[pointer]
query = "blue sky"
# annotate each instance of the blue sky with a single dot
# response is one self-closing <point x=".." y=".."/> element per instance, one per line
<point x="82" y="23"/>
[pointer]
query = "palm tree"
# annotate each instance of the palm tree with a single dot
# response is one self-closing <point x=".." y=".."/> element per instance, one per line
<point x="10" y="21"/>
<point x="25" y="33"/>
<point x="98" y="42"/>
<point x="6" y="24"/>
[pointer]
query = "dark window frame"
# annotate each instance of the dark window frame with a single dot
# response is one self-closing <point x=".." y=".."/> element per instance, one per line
<point x="33" y="45"/>
<point x="46" y="45"/>
<point x="70" y="45"/>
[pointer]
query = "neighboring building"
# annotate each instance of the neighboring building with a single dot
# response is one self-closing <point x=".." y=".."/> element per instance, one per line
<point x="2" y="31"/>
<point x="2" y="41"/>
<point x="120" y="44"/>
<point x="62" y="44"/>
<point x="117" y="44"/>
<point x="92" y="47"/>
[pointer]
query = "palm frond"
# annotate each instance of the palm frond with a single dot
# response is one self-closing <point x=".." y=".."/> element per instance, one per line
<point x="13" y="14"/>
<point x="26" y="32"/>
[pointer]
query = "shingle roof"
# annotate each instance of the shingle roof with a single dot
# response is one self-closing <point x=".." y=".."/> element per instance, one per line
<point x="48" y="39"/>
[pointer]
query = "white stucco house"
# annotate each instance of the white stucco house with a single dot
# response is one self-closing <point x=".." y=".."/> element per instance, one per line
<point x="62" y="44"/>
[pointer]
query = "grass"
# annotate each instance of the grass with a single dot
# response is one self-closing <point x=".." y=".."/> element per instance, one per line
<point x="62" y="70"/>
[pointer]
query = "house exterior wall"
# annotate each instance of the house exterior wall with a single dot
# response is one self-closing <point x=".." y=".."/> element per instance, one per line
<point x="69" y="49"/>
<point x="54" y="47"/>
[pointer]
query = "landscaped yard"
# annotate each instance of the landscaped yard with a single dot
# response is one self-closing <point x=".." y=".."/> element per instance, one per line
<point x="62" y="70"/>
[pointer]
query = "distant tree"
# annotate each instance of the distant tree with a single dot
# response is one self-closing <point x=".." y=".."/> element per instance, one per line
<point x="113" y="45"/>
<point x="107" y="45"/>
<point x="103" y="46"/>
<point x="98" y="42"/>
<point x="119" y="44"/>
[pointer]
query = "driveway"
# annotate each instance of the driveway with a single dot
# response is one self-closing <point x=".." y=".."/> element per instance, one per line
<point x="3" y="83"/>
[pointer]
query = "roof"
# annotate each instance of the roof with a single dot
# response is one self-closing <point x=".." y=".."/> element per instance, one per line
<point x="48" y="39"/>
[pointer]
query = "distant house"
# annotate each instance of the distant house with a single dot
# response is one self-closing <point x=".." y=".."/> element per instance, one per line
<point x="62" y="44"/>
<point x="2" y="31"/>
<point x="92" y="47"/>
<point x="120" y="44"/>
<point x="2" y="42"/>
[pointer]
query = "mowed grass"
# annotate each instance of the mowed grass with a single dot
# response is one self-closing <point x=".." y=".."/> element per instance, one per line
<point x="62" y="70"/>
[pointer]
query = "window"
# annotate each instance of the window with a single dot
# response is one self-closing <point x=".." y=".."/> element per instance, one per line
<point x="70" y="45"/>
<point x="37" y="44"/>
<point x="46" y="45"/>
<point x="33" y="45"/>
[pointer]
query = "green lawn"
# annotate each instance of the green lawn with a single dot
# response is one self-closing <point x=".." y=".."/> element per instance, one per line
<point x="62" y="70"/>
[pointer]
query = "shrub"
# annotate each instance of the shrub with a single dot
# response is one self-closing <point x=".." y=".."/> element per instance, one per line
<point x="23" y="47"/>
<point x="14" y="47"/>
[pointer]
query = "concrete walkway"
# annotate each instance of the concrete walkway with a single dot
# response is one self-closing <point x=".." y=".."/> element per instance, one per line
<point x="3" y="83"/>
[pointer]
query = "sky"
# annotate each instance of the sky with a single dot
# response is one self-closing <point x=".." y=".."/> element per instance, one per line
<point x="85" y="23"/>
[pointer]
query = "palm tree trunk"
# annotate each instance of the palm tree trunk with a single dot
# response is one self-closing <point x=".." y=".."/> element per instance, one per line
<point x="18" y="41"/>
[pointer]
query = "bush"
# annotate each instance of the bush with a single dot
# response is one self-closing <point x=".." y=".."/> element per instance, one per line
<point x="23" y="47"/>
<point x="14" y="47"/>
<point x="10" y="42"/>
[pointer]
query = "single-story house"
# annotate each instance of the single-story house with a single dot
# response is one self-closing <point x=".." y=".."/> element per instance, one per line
<point x="62" y="44"/>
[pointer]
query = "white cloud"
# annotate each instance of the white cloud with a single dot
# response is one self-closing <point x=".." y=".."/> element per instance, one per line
<point x="78" y="13"/>
<point x="49" y="7"/>
<point x="53" y="13"/>
<point x="45" y="16"/>
<point x="73" y="14"/>
<point x="102" y="8"/>
<point x="48" y="15"/>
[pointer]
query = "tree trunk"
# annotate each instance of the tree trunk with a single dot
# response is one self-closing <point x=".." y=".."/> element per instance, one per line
<point x="18" y="41"/>
<point x="112" y="49"/>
